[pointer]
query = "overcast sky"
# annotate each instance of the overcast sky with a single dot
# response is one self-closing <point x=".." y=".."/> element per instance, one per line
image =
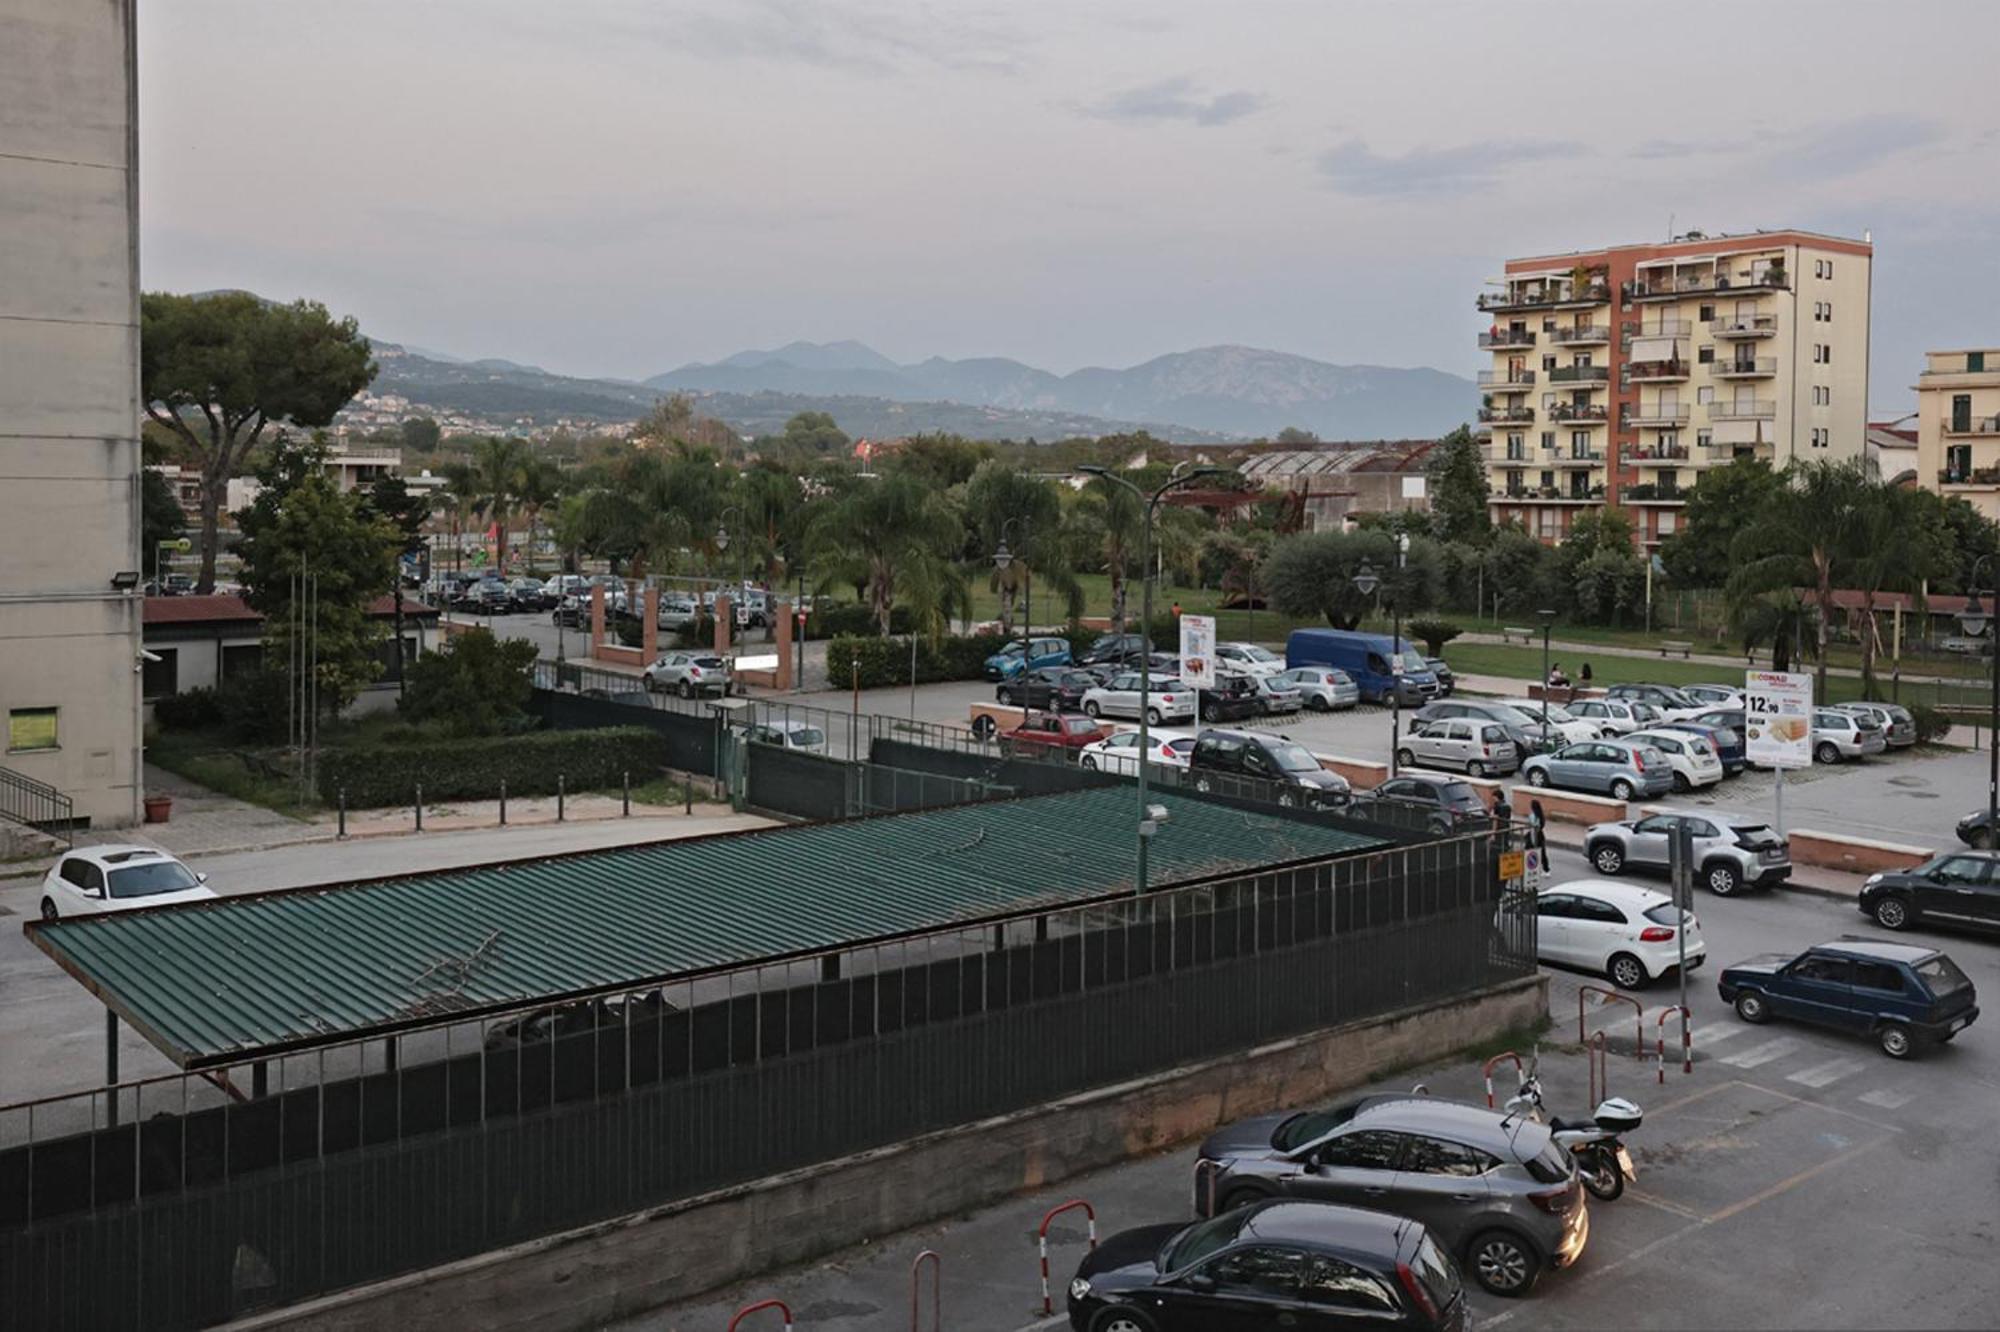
<point x="621" y="186"/>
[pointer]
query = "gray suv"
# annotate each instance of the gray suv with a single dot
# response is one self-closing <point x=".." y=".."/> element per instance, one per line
<point x="1731" y="852"/>
<point x="1495" y="1190"/>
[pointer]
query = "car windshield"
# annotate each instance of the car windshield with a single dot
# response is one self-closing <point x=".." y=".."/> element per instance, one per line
<point x="1942" y="975"/>
<point x="1556" y="714"/>
<point x="162" y="876"/>
<point x="1256" y="653"/>
<point x="1200" y="1240"/>
<point x="1412" y="661"/>
<point x="708" y="661"/>
<point x="1457" y="795"/>
<point x="1294" y="758"/>
<point x="1676" y="699"/>
<point x="1310" y="1126"/>
<point x="1516" y="715"/>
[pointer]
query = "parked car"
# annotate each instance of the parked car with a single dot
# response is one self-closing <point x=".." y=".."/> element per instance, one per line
<point x="1114" y="649"/>
<point x="1715" y="695"/>
<point x="1034" y="654"/>
<point x="1952" y="888"/>
<point x="559" y="586"/>
<point x="678" y="613"/>
<point x="1276" y="697"/>
<point x="550" y="1024"/>
<point x="1119" y="753"/>
<point x="1617" y="768"/>
<point x="1615" y="716"/>
<point x="1731" y="852"/>
<point x="1672" y="703"/>
<point x="1323" y="688"/>
<point x="1044" y="731"/>
<point x="529" y="594"/>
<point x="1726" y="741"/>
<point x="689" y="674"/>
<point x="488" y="596"/>
<point x="787" y="733"/>
<point x="1165" y="700"/>
<point x="1494" y="1190"/>
<point x="1974" y="830"/>
<point x="1447" y="682"/>
<point x="1898" y="726"/>
<point x="1906" y="996"/>
<point x="1691" y="757"/>
<point x="1266" y="757"/>
<point x="1366" y="660"/>
<point x="1470" y="745"/>
<point x="1628" y="933"/>
<point x="1524" y="732"/>
<point x="1058" y="687"/>
<point x="1449" y="803"/>
<point x="1564" y="726"/>
<point x="631" y="698"/>
<point x="1247" y="659"/>
<point x="95" y="880"/>
<point x="1844" y="735"/>
<point x="1282" y="1264"/>
<point x="572" y="612"/>
<point x="1233" y="698"/>
<point x="1966" y="647"/>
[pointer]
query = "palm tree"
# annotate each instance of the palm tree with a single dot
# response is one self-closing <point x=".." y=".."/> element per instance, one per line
<point x="1809" y="538"/>
<point x="497" y="461"/>
<point x="461" y="492"/>
<point x="893" y="534"/>
<point x="1119" y="520"/>
<point x="1778" y="618"/>
<point x="539" y="485"/>
<point x="1896" y="550"/>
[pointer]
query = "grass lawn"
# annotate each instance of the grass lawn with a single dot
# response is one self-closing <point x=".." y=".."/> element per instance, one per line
<point x="219" y="762"/>
<point x="1525" y="663"/>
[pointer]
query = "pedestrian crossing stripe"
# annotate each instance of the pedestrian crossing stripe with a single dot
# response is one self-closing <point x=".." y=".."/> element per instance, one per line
<point x="1885" y="1100"/>
<point x="1823" y="1075"/>
<point x="1758" y="1055"/>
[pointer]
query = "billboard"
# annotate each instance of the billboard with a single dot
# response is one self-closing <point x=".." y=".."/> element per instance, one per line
<point x="1198" y="651"/>
<point x="1777" y="718"/>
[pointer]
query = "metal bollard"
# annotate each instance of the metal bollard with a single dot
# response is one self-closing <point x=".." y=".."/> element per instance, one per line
<point x="559" y="798"/>
<point x="687" y="794"/>
<point x="625" y="787"/>
<point x="343" y="812"/>
<point x="503" y="802"/>
<point x="420" y="809"/>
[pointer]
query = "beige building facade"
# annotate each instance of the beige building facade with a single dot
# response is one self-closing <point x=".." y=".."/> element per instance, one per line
<point x="69" y="403"/>
<point x="1958" y="426"/>
<point x="1619" y="376"/>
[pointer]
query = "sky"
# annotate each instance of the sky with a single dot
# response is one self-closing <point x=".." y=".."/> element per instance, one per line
<point x="618" y="187"/>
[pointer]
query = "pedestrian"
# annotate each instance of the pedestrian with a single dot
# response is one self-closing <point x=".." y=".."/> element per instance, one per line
<point x="1177" y="610"/>
<point x="1584" y="674"/>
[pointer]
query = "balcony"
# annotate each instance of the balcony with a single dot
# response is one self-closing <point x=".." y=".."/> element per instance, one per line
<point x="1657" y="455"/>
<point x="1762" y="367"/>
<point x="1658" y="414"/>
<point x="1662" y="328"/>
<point x="1770" y="278"/>
<point x="1656" y="372"/>
<point x="1506" y="381"/>
<point x="1744" y="326"/>
<point x="1547" y="493"/>
<point x="1592" y="458"/>
<point x="1507" y="415"/>
<point x="1653" y="494"/>
<point x="1502" y="455"/>
<point x="1580" y="374"/>
<point x="1762" y="409"/>
<point x="1972" y="425"/>
<point x="1581" y="335"/>
<point x="1500" y="338"/>
<point x="1574" y="413"/>
<point x="1977" y="476"/>
<point x="1563" y="297"/>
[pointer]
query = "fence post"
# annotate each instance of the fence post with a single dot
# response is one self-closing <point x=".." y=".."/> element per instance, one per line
<point x="559" y="797"/>
<point x="687" y="793"/>
<point x="420" y="808"/>
<point x="503" y="802"/>
<point x="626" y="788"/>
<point x="343" y="813"/>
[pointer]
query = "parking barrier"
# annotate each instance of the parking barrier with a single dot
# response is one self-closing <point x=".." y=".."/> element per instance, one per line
<point x="937" y="1290"/>
<point x="1597" y="1053"/>
<point x="1612" y="996"/>
<point x="1206" y="1173"/>
<point x="1687" y="1040"/>
<point x="1520" y="1072"/>
<point x="1090" y="1213"/>
<point x="748" y="1309"/>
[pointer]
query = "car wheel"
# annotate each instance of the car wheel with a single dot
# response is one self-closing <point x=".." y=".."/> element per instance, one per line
<point x="1627" y="972"/>
<point x="1681" y="783"/>
<point x="1475" y="769"/>
<point x="1091" y="709"/>
<point x="1318" y="704"/>
<point x="652" y="685"/>
<point x="687" y="689"/>
<point x="1201" y="785"/>
<point x="1892" y="913"/>
<point x="1121" y="1319"/>
<point x="1827" y="753"/>
<point x="1089" y="761"/>
<point x="1722" y="879"/>
<point x="1406" y="758"/>
<point x="1895" y="1040"/>
<point x="1621" y="789"/>
<point x="1238" y="1198"/>
<point x="1606" y="858"/>
<point x="1152" y="716"/>
<point x="1752" y="1007"/>
<point x="1502" y="1263"/>
<point x="48" y="909"/>
<point x="1538" y="777"/>
<point x="1006" y="697"/>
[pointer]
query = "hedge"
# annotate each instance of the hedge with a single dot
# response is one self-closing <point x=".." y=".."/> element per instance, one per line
<point x="378" y="776"/>
<point x="886" y="661"/>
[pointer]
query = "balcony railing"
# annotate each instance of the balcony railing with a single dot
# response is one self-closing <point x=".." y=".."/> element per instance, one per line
<point x="1656" y="372"/>
<point x="1655" y="416"/>
<point x="1571" y="413"/>
<point x="1591" y="293"/>
<point x="1577" y="335"/>
<point x="1506" y="381"/>
<point x="1551" y="493"/>
<point x="1662" y="328"/>
<point x="1762" y="367"/>
<point x="1666" y="289"/>
<point x="1972" y="425"/>
<point x="1580" y="374"/>
<point x="1508" y="337"/>
<point x="1502" y="456"/>
<point x="1977" y="476"/>
<point x="1592" y="458"/>
<point x="1657" y="494"/>
<point x="1763" y="409"/>
<point x="1744" y="326"/>
<point x="1506" y="414"/>
<point x="1656" y="455"/>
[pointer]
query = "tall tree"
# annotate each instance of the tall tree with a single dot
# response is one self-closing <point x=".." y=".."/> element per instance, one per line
<point x="420" y="434"/>
<point x="497" y="461"/>
<point x="1312" y="574"/>
<point x="1895" y="550"/>
<point x="406" y="513"/>
<point x="217" y="370"/>
<point x="1458" y="489"/>
<point x="160" y="516"/>
<point x="1728" y="500"/>
<point x="1007" y="504"/>
<point x="459" y="497"/>
<point x="1120" y="520"/>
<point x="892" y="535"/>
<point x="1809" y="532"/>
<point x="539" y="484"/>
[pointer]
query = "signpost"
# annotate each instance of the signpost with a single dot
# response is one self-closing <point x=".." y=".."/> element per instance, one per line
<point x="1777" y="726"/>
<point x="1198" y="651"/>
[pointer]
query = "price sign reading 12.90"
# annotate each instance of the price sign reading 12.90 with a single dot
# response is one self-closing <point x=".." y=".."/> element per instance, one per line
<point x="1777" y="718"/>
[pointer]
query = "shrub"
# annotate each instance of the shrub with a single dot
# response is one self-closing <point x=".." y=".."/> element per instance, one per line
<point x="1932" y="723"/>
<point x="847" y="619"/>
<point x="878" y="662"/>
<point x="1435" y="633"/>
<point x="375" y="776"/>
<point x="195" y="710"/>
<point x="474" y="684"/>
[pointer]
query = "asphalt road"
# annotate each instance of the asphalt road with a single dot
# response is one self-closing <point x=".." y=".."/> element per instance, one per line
<point x="1797" y="1178"/>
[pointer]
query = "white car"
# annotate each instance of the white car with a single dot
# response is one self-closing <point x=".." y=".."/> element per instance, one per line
<point x="1166" y="699"/>
<point x="1716" y="695"/>
<point x="788" y="735"/>
<point x="1567" y="727"/>
<point x="92" y="880"/>
<point x="1628" y="933"/>
<point x="1248" y="659"/>
<point x="1119" y="752"/>
<point x="1692" y="757"/>
<point x="1617" y="716"/>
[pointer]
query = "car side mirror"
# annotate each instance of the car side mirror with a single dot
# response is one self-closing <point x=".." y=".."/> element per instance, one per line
<point x="200" y="878"/>
<point x="1199" y="1281"/>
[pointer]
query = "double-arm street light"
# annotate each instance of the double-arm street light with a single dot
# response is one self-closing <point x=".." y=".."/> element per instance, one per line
<point x="1365" y="582"/>
<point x="1148" y="821"/>
<point x="1975" y="619"/>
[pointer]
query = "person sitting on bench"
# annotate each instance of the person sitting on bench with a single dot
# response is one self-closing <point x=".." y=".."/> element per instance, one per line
<point x="1557" y="680"/>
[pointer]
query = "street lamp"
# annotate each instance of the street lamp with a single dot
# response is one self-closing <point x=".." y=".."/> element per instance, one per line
<point x="1003" y="559"/>
<point x="722" y="547"/>
<point x="1151" y="503"/>
<point x="1975" y="619"/>
<point x="1548" y="618"/>
<point x="1365" y="582"/>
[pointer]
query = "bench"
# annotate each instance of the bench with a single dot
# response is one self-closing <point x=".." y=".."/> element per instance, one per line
<point x="1685" y="649"/>
<point x="1508" y="632"/>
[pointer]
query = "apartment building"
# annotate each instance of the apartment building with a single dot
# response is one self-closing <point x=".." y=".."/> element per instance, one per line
<point x="69" y="408"/>
<point x="1958" y="426"/>
<point x="1620" y="375"/>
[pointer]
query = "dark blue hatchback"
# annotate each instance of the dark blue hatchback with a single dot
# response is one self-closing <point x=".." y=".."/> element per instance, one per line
<point x="1728" y="742"/>
<point x="1905" y="996"/>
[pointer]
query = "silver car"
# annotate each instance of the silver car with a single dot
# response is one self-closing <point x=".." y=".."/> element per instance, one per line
<point x="1470" y="745"/>
<point x="1322" y="687"/>
<point x="1495" y="1190"/>
<point x="1278" y="697"/>
<point x="1899" y="728"/>
<point x="689" y="673"/>
<point x="1840" y="735"/>
<point x="1616" y="716"/>
<point x="1617" y="768"/>
<point x="1731" y="852"/>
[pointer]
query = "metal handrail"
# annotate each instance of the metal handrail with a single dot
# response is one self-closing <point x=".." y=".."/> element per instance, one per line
<point x="37" y="805"/>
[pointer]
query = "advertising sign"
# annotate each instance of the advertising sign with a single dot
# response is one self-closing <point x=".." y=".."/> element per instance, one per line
<point x="1777" y="718"/>
<point x="1198" y="651"/>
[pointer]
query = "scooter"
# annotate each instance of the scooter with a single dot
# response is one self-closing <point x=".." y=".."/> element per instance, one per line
<point x="1601" y="1157"/>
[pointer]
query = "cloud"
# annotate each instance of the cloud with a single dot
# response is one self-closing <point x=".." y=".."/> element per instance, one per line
<point x="851" y="38"/>
<point x="1177" y="99"/>
<point x="1352" y="168"/>
<point x="1828" y="152"/>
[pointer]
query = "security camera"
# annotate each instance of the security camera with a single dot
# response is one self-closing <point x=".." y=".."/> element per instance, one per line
<point x="153" y="657"/>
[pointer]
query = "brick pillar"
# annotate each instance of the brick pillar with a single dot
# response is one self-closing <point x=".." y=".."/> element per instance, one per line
<point x="781" y="619"/>
<point x="649" y="631"/>
<point x="725" y="620"/>
<point x="596" y="617"/>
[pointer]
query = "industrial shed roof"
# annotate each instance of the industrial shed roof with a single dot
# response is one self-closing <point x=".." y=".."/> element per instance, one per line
<point x="210" y="983"/>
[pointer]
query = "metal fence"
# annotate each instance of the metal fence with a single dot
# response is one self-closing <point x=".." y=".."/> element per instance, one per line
<point x="817" y="786"/>
<point x="185" y="1200"/>
<point x="36" y="805"/>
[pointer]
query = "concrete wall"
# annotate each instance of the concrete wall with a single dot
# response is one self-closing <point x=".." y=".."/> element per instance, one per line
<point x="69" y="346"/>
<point x="592" y="1276"/>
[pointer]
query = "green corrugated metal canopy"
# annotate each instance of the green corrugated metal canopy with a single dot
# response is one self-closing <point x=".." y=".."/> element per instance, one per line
<point x="242" y="977"/>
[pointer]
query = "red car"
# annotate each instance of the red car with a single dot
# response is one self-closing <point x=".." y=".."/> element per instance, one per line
<point x="1053" y="730"/>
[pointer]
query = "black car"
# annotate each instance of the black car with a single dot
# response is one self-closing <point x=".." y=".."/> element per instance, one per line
<point x="1058" y="687"/>
<point x="1263" y="757"/>
<point x="1974" y="830"/>
<point x="1116" y="649"/>
<point x="1447" y="804"/>
<point x="1952" y="888"/>
<point x="1278" y="1264"/>
<point x="1233" y="698"/>
<point x="1446" y="680"/>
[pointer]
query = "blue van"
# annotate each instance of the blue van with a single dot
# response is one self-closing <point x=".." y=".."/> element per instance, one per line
<point x="1365" y="657"/>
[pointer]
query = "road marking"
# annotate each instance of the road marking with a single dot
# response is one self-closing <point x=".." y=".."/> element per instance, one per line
<point x="1884" y="1100"/>
<point x="1710" y="1035"/>
<point x="1794" y="1181"/>
<point x="1762" y="1054"/>
<point x="1821" y="1075"/>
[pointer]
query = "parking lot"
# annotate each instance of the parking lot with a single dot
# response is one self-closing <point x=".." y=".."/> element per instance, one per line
<point x="1797" y="1178"/>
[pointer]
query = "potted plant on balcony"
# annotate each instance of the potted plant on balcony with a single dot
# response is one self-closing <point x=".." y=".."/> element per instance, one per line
<point x="1774" y="273"/>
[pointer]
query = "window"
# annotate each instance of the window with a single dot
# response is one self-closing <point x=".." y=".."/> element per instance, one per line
<point x="1434" y="1156"/>
<point x="1367" y="1150"/>
<point x="1704" y="437"/>
<point x="161" y="679"/>
<point x="1548" y="480"/>
<point x="1830" y="970"/>
<point x="1707" y="313"/>
<point x="31" y="729"/>
<point x="1962" y="869"/>
<point x="1706" y="393"/>
<point x="1549" y="362"/>
<point x="1556" y="906"/>
<point x="1332" y="1282"/>
<point x="1602" y="913"/>
<point x="1548" y="439"/>
<point x="1262" y="1269"/>
<point x="75" y="872"/>
<point x="1829" y="312"/>
<point x="1877" y="976"/>
<point x="1975" y="362"/>
<point x="1705" y="356"/>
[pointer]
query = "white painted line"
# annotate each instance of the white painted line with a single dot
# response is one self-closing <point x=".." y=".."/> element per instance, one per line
<point x="1822" y="1075"/>
<point x="1713" y="1034"/>
<point x="1886" y="1100"/>
<point x="1058" y="1321"/>
<point x="1762" y="1054"/>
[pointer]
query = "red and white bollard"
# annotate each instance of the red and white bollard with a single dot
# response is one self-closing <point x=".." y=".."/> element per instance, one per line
<point x="1090" y="1213"/>
<point x="748" y="1309"/>
<point x="1687" y="1040"/>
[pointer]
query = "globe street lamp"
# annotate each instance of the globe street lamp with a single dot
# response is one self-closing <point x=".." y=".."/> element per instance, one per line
<point x="1975" y="619"/>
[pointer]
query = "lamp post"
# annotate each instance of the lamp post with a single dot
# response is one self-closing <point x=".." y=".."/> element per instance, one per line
<point x="1365" y="582"/>
<point x="1974" y="618"/>
<point x="1149" y="816"/>
<point x="1003" y="559"/>
<point x="1548" y="618"/>
<point x="721" y="547"/>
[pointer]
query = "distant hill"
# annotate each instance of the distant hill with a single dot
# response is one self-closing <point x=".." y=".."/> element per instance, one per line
<point x="1229" y="390"/>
